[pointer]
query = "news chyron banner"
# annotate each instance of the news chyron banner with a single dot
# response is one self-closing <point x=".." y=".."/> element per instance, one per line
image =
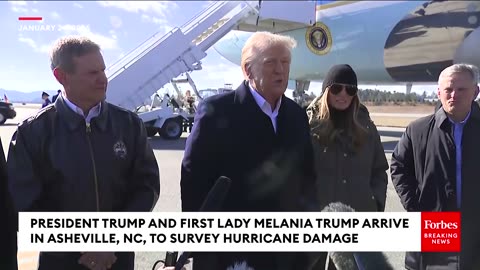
<point x="226" y="231"/>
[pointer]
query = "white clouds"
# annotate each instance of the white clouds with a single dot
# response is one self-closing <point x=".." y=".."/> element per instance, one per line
<point x="55" y="15"/>
<point x="160" y="8"/>
<point x="166" y="28"/>
<point x="19" y="9"/>
<point x="105" y="42"/>
<point x="151" y="19"/>
<point x="77" y="5"/>
<point x="32" y="44"/>
<point x="113" y="34"/>
<point x="116" y="21"/>
<point x="215" y="76"/>
<point x="163" y="27"/>
<point x="18" y="6"/>
<point x="18" y="3"/>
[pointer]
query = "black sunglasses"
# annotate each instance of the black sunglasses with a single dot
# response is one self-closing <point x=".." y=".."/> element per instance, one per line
<point x="337" y="88"/>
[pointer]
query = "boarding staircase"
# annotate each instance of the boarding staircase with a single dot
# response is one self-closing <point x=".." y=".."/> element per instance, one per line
<point x="136" y="77"/>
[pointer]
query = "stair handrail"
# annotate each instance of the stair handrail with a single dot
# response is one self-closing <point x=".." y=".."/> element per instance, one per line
<point x="215" y="6"/>
<point x="137" y="51"/>
<point x="151" y="42"/>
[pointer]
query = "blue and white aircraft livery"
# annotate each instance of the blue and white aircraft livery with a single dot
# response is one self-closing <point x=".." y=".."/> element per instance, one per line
<point x="386" y="42"/>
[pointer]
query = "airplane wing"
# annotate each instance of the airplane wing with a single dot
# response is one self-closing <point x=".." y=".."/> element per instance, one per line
<point x="277" y="17"/>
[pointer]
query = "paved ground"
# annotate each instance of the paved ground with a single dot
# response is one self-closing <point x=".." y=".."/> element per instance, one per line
<point x="402" y="115"/>
<point x="169" y="155"/>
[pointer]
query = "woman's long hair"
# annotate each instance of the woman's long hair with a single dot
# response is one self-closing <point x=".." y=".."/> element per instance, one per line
<point x="323" y="125"/>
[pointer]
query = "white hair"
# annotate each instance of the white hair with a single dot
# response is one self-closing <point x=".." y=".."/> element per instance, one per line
<point x="460" y="68"/>
<point x="258" y="42"/>
<point x="240" y="266"/>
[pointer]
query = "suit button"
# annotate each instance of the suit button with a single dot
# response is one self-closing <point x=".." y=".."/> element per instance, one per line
<point x="345" y="155"/>
<point x="373" y="197"/>
<point x="344" y="181"/>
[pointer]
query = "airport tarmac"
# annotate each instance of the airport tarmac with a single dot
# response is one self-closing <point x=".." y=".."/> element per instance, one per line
<point x="403" y="115"/>
<point x="169" y="155"/>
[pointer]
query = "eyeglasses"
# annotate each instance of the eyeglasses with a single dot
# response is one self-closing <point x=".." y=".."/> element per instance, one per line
<point x="337" y="88"/>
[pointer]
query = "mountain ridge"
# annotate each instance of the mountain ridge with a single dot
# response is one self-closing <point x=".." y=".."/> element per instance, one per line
<point x="15" y="96"/>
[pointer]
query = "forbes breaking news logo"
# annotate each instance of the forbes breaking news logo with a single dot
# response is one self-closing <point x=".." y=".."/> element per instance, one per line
<point x="440" y="232"/>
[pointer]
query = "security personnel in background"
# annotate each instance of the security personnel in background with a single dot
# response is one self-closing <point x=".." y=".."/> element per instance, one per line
<point x="46" y="100"/>
<point x="82" y="154"/>
<point x="56" y="96"/>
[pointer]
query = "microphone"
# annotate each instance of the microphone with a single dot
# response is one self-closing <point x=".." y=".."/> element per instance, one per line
<point x="355" y="260"/>
<point x="212" y="203"/>
<point x="240" y="266"/>
<point x="215" y="197"/>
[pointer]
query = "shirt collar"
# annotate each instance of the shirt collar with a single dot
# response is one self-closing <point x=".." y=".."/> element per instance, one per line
<point x="95" y="111"/>
<point x="262" y="103"/>
<point x="461" y="122"/>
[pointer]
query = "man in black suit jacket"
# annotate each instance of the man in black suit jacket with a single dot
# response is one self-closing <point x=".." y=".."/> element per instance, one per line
<point x="8" y="227"/>
<point x="260" y="139"/>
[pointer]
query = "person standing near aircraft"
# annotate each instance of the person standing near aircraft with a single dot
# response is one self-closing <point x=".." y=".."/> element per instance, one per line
<point x="350" y="161"/>
<point x="46" y="100"/>
<point x="434" y="167"/>
<point x="349" y="157"/>
<point x="82" y="154"/>
<point x="260" y="139"/>
<point x="8" y="225"/>
<point x="56" y="96"/>
<point x="190" y="104"/>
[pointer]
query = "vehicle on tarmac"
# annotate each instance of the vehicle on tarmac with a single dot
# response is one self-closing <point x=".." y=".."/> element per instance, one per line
<point x="7" y="111"/>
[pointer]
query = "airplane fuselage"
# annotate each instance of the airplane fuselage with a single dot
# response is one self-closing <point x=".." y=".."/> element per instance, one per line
<point x="384" y="41"/>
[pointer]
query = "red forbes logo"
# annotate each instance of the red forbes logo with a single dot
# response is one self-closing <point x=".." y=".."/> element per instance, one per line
<point x="441" y="232"/>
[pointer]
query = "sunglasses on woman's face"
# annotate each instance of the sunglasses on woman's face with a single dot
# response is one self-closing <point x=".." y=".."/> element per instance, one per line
<point x="337" y="88"/>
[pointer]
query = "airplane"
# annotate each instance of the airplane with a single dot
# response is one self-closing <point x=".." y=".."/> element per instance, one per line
<point x="386" y="42"/>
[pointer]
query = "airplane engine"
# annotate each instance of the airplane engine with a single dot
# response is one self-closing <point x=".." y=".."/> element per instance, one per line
<point x="468" y="51"/>
<point x="435" y="35"/>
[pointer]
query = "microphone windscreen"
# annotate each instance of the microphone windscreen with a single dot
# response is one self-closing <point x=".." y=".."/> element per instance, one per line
<point x="337" y="207"/>
<point x="240" y="266"/>
<point x="212" y="203"/>
<point x="372" y="261"/>
<point x="343" y="260"/>
<point x="355" y="260"/>
<point x="215" y="197"/>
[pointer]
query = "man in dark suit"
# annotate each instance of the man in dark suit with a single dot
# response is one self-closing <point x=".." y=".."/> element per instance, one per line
<point x="8" y="227"/>
<point x="260" y="139"/>
<point x="56" y="96"/>
<point x="434" y="167"/>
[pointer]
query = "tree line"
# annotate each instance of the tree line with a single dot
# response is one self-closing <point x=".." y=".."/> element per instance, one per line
<point x="378" y="97"/>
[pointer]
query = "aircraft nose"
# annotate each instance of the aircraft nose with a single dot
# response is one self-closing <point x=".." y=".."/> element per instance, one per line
<point x="230" y="46"/>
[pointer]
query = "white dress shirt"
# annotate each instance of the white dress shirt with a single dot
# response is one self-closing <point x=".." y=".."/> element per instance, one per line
<point x="94" y="112"/>
<point x="266" y="107"/>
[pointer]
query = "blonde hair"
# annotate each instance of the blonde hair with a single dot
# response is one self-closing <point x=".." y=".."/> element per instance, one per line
<point x="460" y="68"/>
<point x="65" y="49"/>
<point x="259" y="42"/>
<point x="323" y="126"/>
